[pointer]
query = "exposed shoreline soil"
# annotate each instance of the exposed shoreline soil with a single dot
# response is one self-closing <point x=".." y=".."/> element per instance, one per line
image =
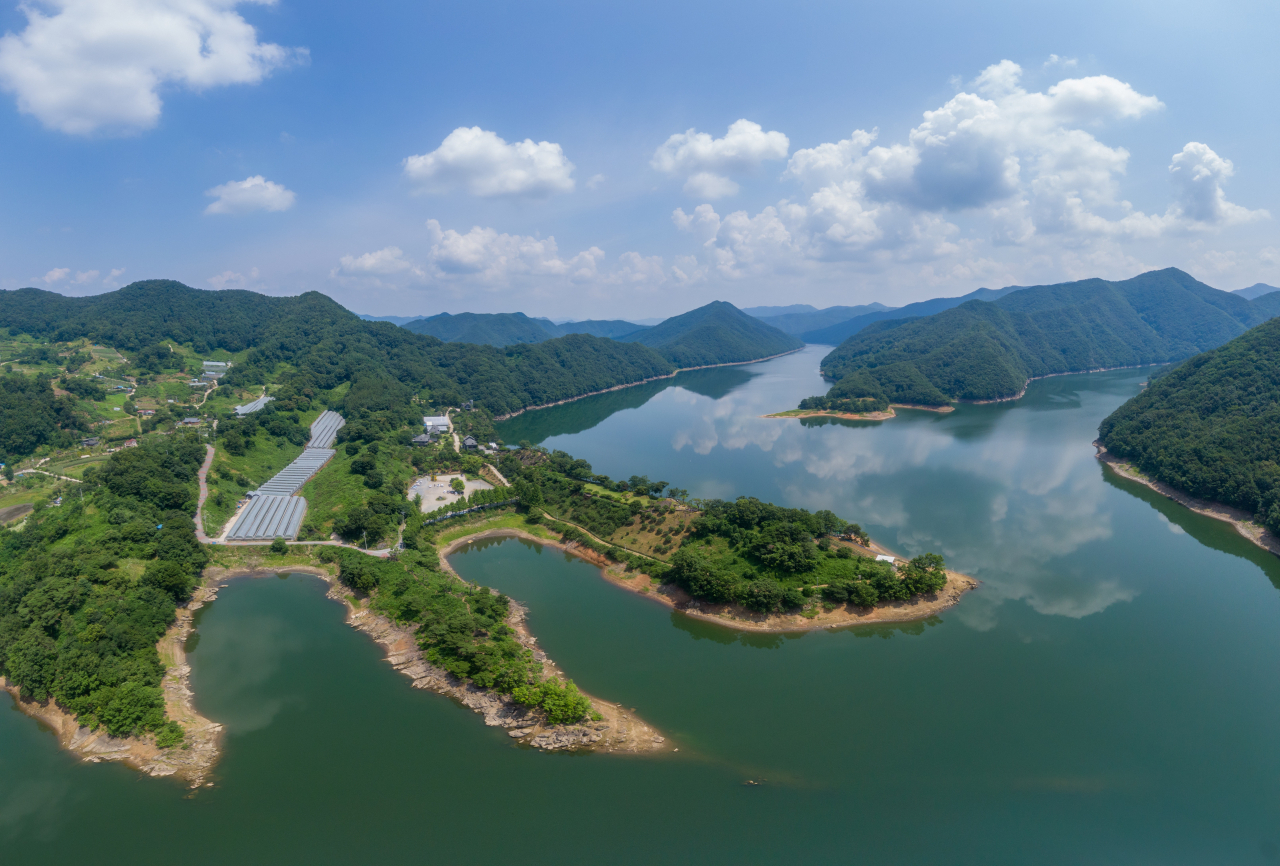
<point x="191" y="764"/>
<point x="1023" y="392"/>
<point x="861" y="416"/>
<point x="1240" y="519"/>
<point x="510" y="415"/>
<point x="618" y="730"/>
<point x="735" y="616"/>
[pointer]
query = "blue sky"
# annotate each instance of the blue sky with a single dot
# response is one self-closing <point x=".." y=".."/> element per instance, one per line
<point x="602" y="160"/>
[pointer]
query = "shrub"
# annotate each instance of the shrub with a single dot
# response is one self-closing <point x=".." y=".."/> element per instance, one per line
<point x="278" y="546"/>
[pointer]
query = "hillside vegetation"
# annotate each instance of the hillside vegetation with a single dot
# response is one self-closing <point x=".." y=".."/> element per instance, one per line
<point x="989" y="350"/>
<point x="494" y="329"/>
<point x="311" y="343"/>
<point x="718" y="333"/>
<point x="1211" y="426"/>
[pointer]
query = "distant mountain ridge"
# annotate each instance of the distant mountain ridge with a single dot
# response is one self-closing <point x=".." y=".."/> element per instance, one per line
<point x="988" y="350"/>
<point x="799" y="321"/>
<point x="718" y="333"/>
<point x="1257" y="290"/>
<point x="505" y="329"/>
<point x="835" y="334"/>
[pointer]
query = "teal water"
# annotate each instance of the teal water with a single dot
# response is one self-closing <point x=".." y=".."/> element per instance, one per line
<point x="1108" y="695"/>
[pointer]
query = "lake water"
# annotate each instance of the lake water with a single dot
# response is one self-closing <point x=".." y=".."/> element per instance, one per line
<point x="1108" y="695"/>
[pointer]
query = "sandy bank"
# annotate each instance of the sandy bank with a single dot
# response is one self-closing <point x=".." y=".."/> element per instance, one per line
<point x="190" y="764"/>
<point x="1240" y="519"/>
<point x="736" y="616"/>
<point x="617" y="731"/>
<point x="860" y="416"/>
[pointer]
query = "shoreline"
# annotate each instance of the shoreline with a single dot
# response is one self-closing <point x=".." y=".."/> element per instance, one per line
<point x="203" y="740"/>
<point x="736" y="617"/>
<point x="1240" y="519"/>
<point x="618" y="731"/>
<point x="672" y="375"/>
<point x="1023" y="392"/>
<point x="859" y="416"/>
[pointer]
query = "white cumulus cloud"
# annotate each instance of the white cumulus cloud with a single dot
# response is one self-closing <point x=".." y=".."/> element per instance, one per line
<point x="1198" y="174"/>
<point x="1019" y="166"/>
<point x="384" y="262"/>
<point x="708" y="162"/>
<point x="85" y="277"/>
<point x="483" y="164"/>
<point x="86" y="66"/>
<point x="246" y="196"/>
<point x="56" y="275"/>
<point x="493" y="257"/>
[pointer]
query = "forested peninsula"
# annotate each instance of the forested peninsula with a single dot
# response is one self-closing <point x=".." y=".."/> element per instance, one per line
<point x="1210" y="427"/>
<point x="986" y="351"/>
<point x="129" y="414"/>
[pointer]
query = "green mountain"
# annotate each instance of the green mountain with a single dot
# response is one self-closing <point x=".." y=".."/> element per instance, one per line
<point x="835" y="331"/>
<point x="1257" y="290"/>
<point x="718" y="333"/>
<point x="796" y="321"/>
<point x="309" y="342"/>
<point x="494" y="329"/>
<point x="989" y="350"/>
<point x="614" y="329"/>
<point x="1211" y="426"/>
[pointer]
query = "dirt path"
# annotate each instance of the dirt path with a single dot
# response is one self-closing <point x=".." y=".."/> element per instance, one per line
<point x="203" y="478"/>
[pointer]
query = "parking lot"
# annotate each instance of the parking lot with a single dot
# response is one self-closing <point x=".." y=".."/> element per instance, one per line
<point x="437" y="494"/>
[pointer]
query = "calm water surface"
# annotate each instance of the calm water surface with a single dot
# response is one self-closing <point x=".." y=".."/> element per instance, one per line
<point x="1108" y="695"/>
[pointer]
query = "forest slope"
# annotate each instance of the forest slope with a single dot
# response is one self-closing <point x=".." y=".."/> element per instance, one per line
<point x="1211" y="427"/>
<point x="311" y="342"/>
<point x="989" y="350"/>
<point x="718" y="333"/>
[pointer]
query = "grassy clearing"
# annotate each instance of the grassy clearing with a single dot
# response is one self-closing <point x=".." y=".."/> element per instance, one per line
<point x="223" y="556"/>
<point x="485" y="524"/>
<point x="336" y="490"/>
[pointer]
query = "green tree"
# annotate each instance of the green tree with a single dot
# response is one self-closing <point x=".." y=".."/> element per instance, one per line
<point x="278" y="546"/>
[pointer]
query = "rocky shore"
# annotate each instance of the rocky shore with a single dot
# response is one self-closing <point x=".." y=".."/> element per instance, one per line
<point x="190" y="762"/>
<point x="1242" y="520"/>
<point x="736" y="616"/>
<point x="618" y="730"/>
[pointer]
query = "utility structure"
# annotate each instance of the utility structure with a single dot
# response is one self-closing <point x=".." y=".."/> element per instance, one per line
<point x="275" y="508"/>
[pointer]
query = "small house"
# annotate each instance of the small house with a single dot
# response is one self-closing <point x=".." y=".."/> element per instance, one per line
<point x="469" y="442"/>
<point x="90" y="442"/>
<point x="130" y="443"/>
<point x="422" y="440"/>
<point x="434" y="424"/>
<point x="146" y="413"/>
<point x="190" y="422"/>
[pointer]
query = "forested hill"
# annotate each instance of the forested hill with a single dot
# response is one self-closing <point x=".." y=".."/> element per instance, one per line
<point x="989" y="350"/>
<point x="311" y="342"/>
<point x="495" y="329"/>
<point x="504" y="329"/>
<point x="718" y="333"/>
<point x="844" y="328"/>
<point x="1211" y="426"/>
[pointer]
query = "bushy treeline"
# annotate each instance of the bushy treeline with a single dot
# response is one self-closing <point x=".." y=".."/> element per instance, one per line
<point x="984" y="350"/>
<point x="311" y="343"/>
<point x="851" y="405"/>
<point x="1211" y="426"/>
<point x="461" y="628"/>
<point x="78" y="624"/>
<point x="239" y="435"/>
<point x="31" y="416"/>
<point x="765" y="557"/>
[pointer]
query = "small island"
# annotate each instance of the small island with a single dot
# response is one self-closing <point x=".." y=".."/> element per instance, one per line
<point x="854" y="408"/>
